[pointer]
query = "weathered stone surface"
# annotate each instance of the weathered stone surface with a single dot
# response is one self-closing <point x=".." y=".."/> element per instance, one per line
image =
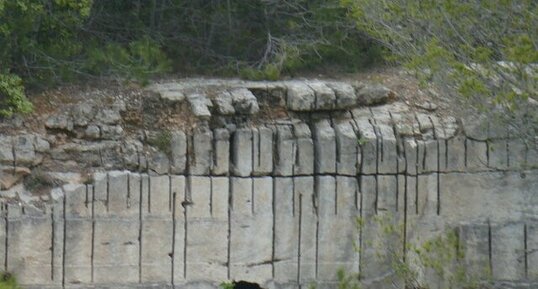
<point x="304" y="158"/>
<point x="325" y="96"/>
<point x="10" y="176"/>
<point x="29" y="242"/>
<point x="287" y="232"/>
<point x="242" y="152"/>
<point x="308" y="204"/>
<point x="300" y="97"/>
<point x="111" y="132"/>
<point x="221" y="152"/>
<point x="368" y="145"/>
<point x="200" y="105"/>
<point x="345" y="95"/>
<point x="456" y="154"/>
<point x="374" y="94"/>
<point x="477" y="158"/>
<point x="224" y="103"/>
<point x="61" y="121"/>
<point x="244" y="101"/>
<point x="262" y="144"/>
<point x="251" y="227"/>
<point x="324" y="148"/>
<point x="178" y="152"/>
<point x="508" y="251"/>
<point x="108" y="116"/>
<point x="498" y="154"/>
<point x="201" y="159"/>
<point x="207" y="243"/>
<point x="496" y="196"/>
<point x="24" y="151"/>
<point x="473" y="240"/>
<point x="532" y="249"/>
<point x="348" y="156"/>
<point x="285" y="151"/>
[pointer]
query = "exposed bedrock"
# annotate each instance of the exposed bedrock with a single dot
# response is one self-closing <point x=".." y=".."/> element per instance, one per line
<point x="265" y="184"/>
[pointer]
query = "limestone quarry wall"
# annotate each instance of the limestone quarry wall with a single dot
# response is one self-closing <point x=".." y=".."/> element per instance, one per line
<point x="273" y="201"/>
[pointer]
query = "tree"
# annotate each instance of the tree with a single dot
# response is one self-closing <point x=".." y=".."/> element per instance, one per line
<point x="484" y="53"/>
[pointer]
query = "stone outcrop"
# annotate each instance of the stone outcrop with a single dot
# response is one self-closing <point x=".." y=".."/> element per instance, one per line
<point x="265" y="186"/>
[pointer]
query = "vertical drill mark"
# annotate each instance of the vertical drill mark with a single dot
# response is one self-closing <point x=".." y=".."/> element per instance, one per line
<point x="140" y="223"/>
<point x="446" y="153"/>
<point x="293" y="196"/>
<point x="128" y="205"/>
<point x="490" y="249"/>
<point x="299" y="240"/>
<point x="507" y="148"/>
<point x="361" y="219"/>
<point x="416" y="181"/>
<point x="170" y="194"/>
<point x="52" y="247"/>
<point x="173" y="238"/>
<point x="315" y="202"/>
<point x="87" y="199"/>
<point x="487" y="152"/>
<point x="273" y="232"/>
<point x="438" y="178"/>
<point x="404" y="253"/>
<point x="525" y="250"/>
<point x="376" y="207"/>
<point x="13" y="152"/>
<point x="63" y="243"/>
<point x="92" y="254"/>
<point x="229" y="236"/>
<point x="149" y="194"/>
<point x="252" y="211"/>
<point x="465" y="157"/>
<point x="335" y="196"/>
<point x="211" y="196"/>
<point x="185" y="224"/>
<point x="107" y="192"/>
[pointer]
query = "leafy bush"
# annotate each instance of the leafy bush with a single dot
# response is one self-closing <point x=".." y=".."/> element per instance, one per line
<point x="12" y="98"/>
<point x="8" y="281"/>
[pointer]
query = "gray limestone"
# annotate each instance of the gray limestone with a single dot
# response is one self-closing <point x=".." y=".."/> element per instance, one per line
<point x="456" y="154"/>
<point x="262" y="142"/>
<point x="368" y="145"/>
<point x="224" y="103"/>
<point x="244" y="101"/>
<point x="348" y="156"/>
<point x="201" y="159"/>
<point x="242" y="152"/>
<point x="221" y="152"/>
<point x="287" y="232"/>
<point x="325" y="96"/>
<point x="324" y="148"/>
<point x="178" y="152"/>
<point x="373" y="94"/>
<point x="508" y="251"/>
<point x="473" y="240"/>
<point x="477" y="155"/>
<point x="304" y="158"/>
<point x="200" y="105"/>
<point x="285" y="151"/>
<point x="251" y="227"/>
<point x="300" y="97"/>
<point x="308" y="210"/>
<point x="345" y="95"/>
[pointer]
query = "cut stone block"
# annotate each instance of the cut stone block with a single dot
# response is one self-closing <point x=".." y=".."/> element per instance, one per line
<point x="368" y="146"/>
<point x="498" y="154"/>
<point x="178" y="186"/>
<point x="178" y="152"/>
<point x="337" y="232"/>
<point x="221" y="151"/>
<point x="324" y="148"/>
<point x="517" y="154"/>
<point x="325" y="96"/>
<point x="251" y="227"/>
<point x="285" y="151"/>
<point x="477" y="159"/>
<point x="242" y="152"/>
<point x="206" y="231"/>
<point x="532" y="250"/>
<point x="387" y="193"/>
<point x="427" y="190"/>
<point x="244" y="101"/>
<point x="300" y="97"/>
<point x="29" y="243"/>
<point x="411" y="156"/>
<point x="6" y="150"/>
<point x="287" y="232"/>
<point x="508" y="252"/>
<point x="347" y="149"/>
<point x="345" y="95"/>
<point x="304" y="164"/>
<point x="473" y="240"/>
<point x="387" y="156"/>
<point x="308" y="206"/>
<point x="201" y="160"/>
<point x="263" y="151"/>
<point x="456" y="154"/>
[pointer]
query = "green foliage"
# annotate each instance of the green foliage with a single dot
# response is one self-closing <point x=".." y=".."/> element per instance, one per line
<point x="347" y="280"/>
<point x="8" y="281"/>
<point x="162" y="141"/>
<point x="12" y="98"/>
<point x="227" y="285"/>
<point x="485" y="51"/>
